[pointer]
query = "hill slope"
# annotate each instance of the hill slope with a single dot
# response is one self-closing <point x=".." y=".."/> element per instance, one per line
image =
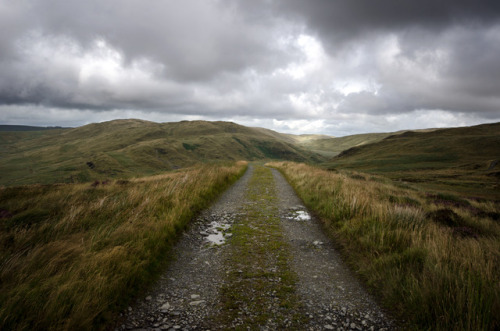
<point x="466" y="159"/>
<point x="332" y="146"/>
<point x="124" y="148"/>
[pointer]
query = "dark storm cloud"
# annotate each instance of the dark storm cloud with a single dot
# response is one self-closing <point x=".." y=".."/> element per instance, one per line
<point x="456" y="70"/>
<point x="474" y="67"/>
<point x="465" y="33"/>
<point x="348" y="18"/>
<point x="190" y="43"/>
<point x="322" y="61"/>
<point x="195" y="40"/>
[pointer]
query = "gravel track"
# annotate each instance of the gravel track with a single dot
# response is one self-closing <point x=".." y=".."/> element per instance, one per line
<point x="187" y="294"/>
<point x="333" y="297"/>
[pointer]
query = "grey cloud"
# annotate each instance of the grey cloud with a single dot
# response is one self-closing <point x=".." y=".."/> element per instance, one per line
<point x="195" y="39"/>
<point x="464" y="63"/>
<point x="465" y="33"/>
<point x="13" y="22"/>
<point x="474" y="66"/>
<point x="229" y="58"/>
<point x="193" y="43"/>
<point x="348" y="18"/>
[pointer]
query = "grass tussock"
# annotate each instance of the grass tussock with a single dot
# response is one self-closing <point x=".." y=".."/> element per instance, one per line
<point x="72" y="255"/>
<point x="433" y="258"/>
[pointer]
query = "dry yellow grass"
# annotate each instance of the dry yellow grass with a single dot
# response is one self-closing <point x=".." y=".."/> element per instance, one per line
<point x="433" y="258"/>
<point x="72" y="255"/>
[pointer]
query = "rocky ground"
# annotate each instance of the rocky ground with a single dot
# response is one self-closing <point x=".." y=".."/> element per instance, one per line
<point x="256" y="260"/>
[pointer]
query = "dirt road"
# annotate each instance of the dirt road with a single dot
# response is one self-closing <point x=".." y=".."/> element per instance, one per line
<point x="256" y="260"/>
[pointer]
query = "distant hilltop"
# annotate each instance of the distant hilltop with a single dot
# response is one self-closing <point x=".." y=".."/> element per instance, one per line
<point x="6" y="128"/>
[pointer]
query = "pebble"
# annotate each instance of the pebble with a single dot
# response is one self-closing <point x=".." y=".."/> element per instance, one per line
<point x="196" y="303"/>
<point x="165" y="307"/>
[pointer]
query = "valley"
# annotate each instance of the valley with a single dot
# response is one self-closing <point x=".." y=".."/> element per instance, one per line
<point x="94" y="218"/>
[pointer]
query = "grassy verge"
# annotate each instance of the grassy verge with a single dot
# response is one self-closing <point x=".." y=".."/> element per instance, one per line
<point x="260" y="291"/>
<point x="72" y="255"/>
<point x="433" y="258"/>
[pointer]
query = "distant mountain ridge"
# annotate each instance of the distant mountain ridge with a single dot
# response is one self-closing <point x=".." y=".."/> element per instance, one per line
<point x="17" y="128"/>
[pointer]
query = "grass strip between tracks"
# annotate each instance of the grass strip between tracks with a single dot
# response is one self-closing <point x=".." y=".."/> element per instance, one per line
<point x="260" y="290"/>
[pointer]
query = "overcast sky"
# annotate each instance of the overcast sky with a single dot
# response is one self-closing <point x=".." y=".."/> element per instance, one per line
<point x="336" y="67"/>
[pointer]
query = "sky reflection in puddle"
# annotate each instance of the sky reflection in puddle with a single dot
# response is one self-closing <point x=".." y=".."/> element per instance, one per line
<point x="300" y="215"/>
<point x="217" y="233"/>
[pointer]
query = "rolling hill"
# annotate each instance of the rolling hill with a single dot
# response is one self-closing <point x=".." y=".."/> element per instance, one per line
<point x="332" y="146"/>
<point x="126" y="148"/>
<point x="462" y="159"/>
<point x="329" y="146"/>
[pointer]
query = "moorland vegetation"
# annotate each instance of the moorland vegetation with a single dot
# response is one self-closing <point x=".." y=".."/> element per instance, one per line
<point x="88" y="215"/>
<point x="72" y="255"/>
<point x="123" y="149"/>
<point x="433" y="258"/>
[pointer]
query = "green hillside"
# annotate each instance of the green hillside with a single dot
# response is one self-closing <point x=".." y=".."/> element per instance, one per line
<point x="459" y="159"/>
<point x="126" y="148"/>
<point x="332" y="146"/>
<point x="329" y="146"/>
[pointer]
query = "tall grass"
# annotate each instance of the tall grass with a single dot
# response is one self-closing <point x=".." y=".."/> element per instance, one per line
<point x="73" y="255"/>
<point x="433" y="258"/>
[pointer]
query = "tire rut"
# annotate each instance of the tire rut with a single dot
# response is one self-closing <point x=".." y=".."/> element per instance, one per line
<point x="333" y="297"/>
<point x="188" y="291"/>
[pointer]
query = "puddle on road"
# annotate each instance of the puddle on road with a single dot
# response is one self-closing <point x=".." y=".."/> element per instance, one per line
<point x="299" y="215"/>
<point x="217" y="233"/>
<point x="302" y="215"/>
